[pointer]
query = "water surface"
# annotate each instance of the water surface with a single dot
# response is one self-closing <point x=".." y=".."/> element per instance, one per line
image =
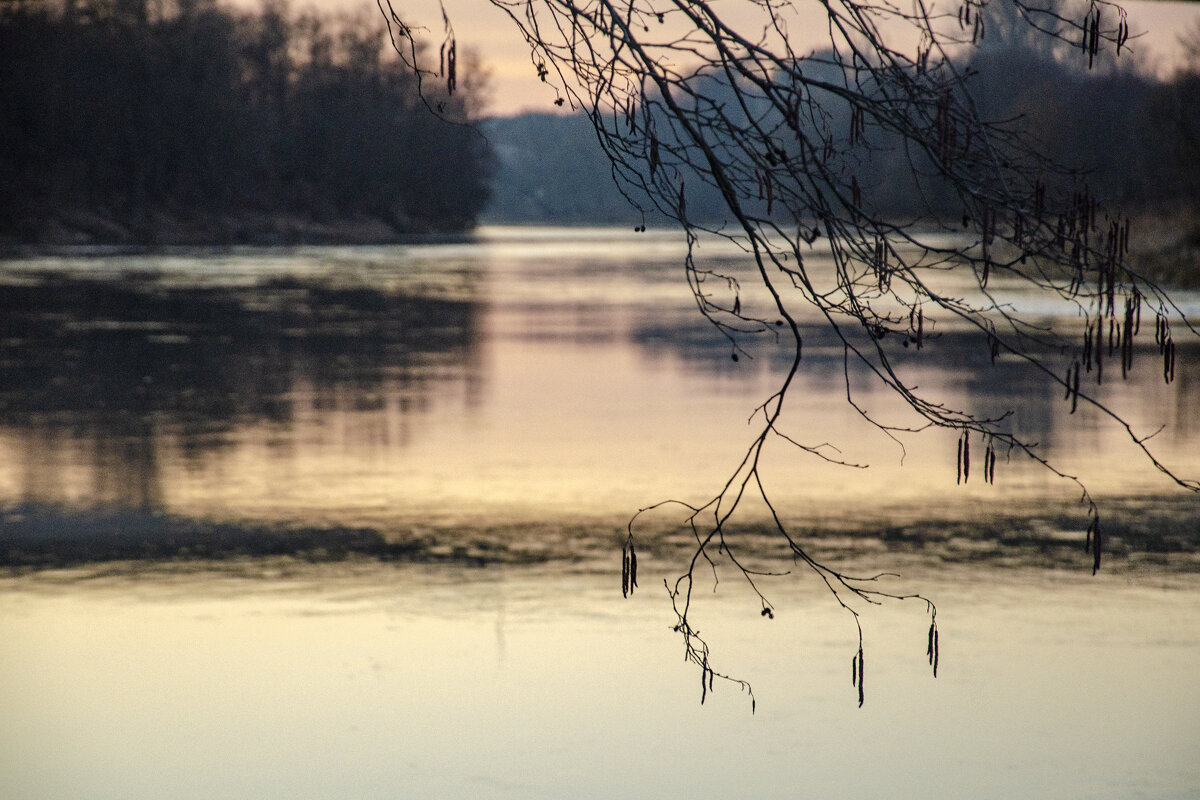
<point x="346" y="522"/>
<point x="414" y="682"/>
<point x="523" y="376"/>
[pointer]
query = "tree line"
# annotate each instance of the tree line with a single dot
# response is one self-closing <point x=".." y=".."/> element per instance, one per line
<point x="1133" y="136"/>
<point x="136" y="117"/>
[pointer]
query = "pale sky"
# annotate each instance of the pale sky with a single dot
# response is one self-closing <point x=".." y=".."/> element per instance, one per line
<point x="515" y="86"/>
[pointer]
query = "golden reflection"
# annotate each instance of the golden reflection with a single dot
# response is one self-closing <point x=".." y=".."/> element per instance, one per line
<point x="528" y="375"/>
<point x="394" y="684"/>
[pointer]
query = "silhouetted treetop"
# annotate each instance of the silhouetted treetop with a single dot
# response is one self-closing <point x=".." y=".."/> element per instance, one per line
<point x="190" y="120"/>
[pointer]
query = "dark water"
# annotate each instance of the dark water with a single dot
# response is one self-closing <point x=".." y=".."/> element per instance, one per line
<point x="336" y="522"/>
<point x="510" y="398"/>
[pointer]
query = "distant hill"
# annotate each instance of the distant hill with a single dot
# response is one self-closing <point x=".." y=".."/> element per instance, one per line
<point x="550" y="168"/>
<point x="1132" y="136"/>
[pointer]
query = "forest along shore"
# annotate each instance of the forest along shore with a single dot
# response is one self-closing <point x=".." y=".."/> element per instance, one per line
<point x="130" y="125"/>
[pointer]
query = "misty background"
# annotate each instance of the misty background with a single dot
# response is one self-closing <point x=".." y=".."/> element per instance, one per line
<point x="193" y="122"/>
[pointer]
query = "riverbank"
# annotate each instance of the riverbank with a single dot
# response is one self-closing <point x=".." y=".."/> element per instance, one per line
<point x="1166" y="250"/>
<point x="1157" y="533"/>
<point x="88" y="227"/>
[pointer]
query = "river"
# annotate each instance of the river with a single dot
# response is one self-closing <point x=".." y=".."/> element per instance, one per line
<point x="347" y="522"/>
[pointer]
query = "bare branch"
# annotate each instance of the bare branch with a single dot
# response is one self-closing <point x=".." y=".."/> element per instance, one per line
<point x="689" y="98"/>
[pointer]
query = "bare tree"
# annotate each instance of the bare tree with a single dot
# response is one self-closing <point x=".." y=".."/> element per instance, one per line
<point x="695" y="97"/>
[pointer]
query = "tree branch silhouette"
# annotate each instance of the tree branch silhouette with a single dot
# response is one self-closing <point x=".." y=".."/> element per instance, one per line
<point x="688" y="97"/>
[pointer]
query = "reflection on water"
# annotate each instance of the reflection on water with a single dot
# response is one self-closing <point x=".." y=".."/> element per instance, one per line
<point x="407" y="682"/>
<point x="104" y="378"/>
<point x="365" y="503"/>
<point x="525" y="376"/>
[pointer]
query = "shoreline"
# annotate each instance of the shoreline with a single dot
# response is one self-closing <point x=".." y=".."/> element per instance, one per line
<point x="1156" y="531"/>
<point x="1168" y="251"/>
<point x="72" y="230"/>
